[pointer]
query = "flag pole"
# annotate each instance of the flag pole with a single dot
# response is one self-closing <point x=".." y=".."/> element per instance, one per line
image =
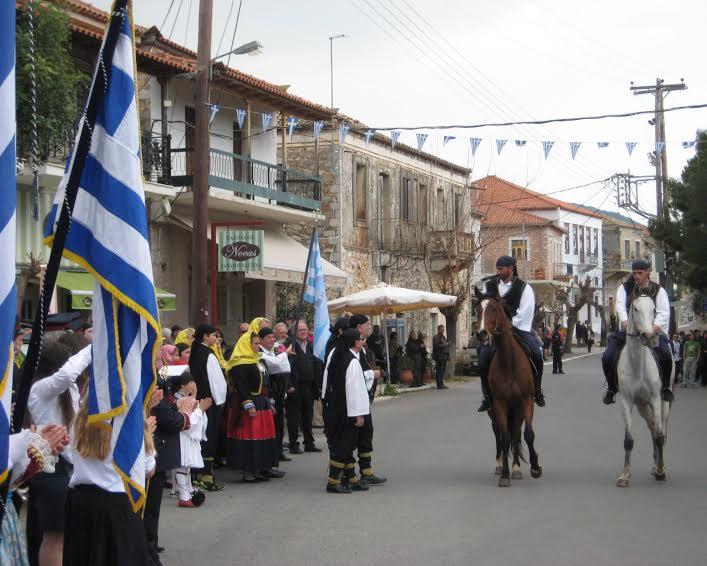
<point x="298" y="311"/>
<point x="81" y="149"/>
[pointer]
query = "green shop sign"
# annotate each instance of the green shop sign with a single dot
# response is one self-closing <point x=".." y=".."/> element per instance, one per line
<point x="240" y="250"/>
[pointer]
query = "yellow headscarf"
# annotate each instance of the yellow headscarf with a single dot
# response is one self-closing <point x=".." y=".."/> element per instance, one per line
<point x="185" y="336"/>
<point x="243" y="353"/>
<point x="216" y="349"/>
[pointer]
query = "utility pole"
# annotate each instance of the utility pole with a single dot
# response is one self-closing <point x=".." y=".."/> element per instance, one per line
<point x="199" y="298"/>
<point x="660" y="91"/>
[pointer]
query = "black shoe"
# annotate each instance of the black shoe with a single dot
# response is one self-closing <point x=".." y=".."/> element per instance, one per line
<point x="295" y="449"/>
<point x="337" y="488"/>
<point x="358" y="486"/>
<point x="667" y="394"/>
<point x="284" y="457"/>
<point x="311" y="448"/>
<point x="160" y="549"/>
<point x="443" y="387"/>
<point x="485" y="404"/>
<point x="562" y="372"/>
<point x="609" y="397"/>
<point x="273" y="473"/>
<point x="261" y="477"/>
<point x="554" y="372"/>
<point x="372" y="480"/>
<point x="539" y="398"/>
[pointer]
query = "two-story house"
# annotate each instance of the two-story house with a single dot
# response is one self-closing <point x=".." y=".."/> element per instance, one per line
<point x="580" y="255"/>
<point x="249" y="189"/>
<point x="393" y="214"/>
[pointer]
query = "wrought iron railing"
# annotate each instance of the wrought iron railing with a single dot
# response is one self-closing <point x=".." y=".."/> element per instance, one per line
<point x="250" y="177"/>
<point x="156" y="163"/>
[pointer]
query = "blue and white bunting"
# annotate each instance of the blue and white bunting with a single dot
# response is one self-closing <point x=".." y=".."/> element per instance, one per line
<point x="521" y="143"/>
<point x="447" y="139"/>
<point x="367" y="135"/>
<point x="109" y="238"/>
<point x="659" y="146"/>
<point x="499" y="145"/>
<point x="315" y="293"/>
<point x="291" y="123"/>
<point x="547" y="147"/>
<point x="318" y="125"/>
<point x="475" y="143"/>
<point x="8" y="194"/>
<point x="267" y="118"/>
<point x="343" y="132"/>
<point x="688" y="144"/>
<point x="602" y="145"/>
<point x="421" y="139"/>
<point x="240" y="117"/>
<point x="574" y="148"/>
<point x="394" y="135"/>
<point x="214" y="110"/>
<point x="630" y="146"/>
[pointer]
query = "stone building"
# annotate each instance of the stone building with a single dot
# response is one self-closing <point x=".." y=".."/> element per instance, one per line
<point x="392" y="214"/>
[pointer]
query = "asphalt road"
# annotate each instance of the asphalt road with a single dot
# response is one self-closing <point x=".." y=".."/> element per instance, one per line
<point x="441" y="504"/>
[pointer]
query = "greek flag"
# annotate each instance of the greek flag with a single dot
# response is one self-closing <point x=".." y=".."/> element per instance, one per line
<point x="315" y="293"/>
<point x="108" y="237"/>
<point x="7" y="224"/>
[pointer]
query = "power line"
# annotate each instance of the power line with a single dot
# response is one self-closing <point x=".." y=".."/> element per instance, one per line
<point x="176" y="17"/>
<point x="169" y="10"/>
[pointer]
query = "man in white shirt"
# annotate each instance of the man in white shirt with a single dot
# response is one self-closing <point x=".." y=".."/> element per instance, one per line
<point x="278" y="364"/>
<point x="347" y="406"/>
<point x="518" y="301"/>
<point x="639" y="284"/>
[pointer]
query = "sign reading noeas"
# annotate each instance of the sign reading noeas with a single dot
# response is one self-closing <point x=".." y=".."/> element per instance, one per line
<point x="240" y="250"/>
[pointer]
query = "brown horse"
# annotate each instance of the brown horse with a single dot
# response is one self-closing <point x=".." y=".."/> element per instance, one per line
<point x="510" y="381"/>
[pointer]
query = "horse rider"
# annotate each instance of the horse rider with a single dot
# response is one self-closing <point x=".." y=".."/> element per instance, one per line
<point x="518" y="301"/>
<point x="638" y="284"/>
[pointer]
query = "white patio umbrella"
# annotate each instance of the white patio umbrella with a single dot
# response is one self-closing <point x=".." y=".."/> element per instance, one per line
<point x="386" y="299"/>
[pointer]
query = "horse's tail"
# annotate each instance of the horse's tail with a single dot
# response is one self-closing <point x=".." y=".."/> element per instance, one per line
<point x="515" y="418"/>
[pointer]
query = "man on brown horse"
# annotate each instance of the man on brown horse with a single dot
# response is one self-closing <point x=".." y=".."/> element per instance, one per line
<point x="518" y="301"/>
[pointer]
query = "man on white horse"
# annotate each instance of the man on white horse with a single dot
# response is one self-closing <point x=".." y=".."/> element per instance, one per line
<point x="638" y="284"/>
<point x="518" y="301"/>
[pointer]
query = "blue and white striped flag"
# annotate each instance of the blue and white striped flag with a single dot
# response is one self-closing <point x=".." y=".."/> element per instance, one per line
<point x="475" y="143"/>
<point x="394" y="135"/>
<point x="574" y="148"/>
<point x="109" y="238"/>
<point x="547" y="146"/>
<point x="447" y="139"/>
<point x="630" y="146"/>
<point x="317" y="127"/>
<point x="8" y="191"/>
<point x="499" y="145"/>
<point x="421" y="139"/>
<point x="291" y="123"/>
<point x="315" y="293"/>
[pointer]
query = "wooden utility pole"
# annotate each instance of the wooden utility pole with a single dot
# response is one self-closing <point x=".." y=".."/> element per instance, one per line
<point x="199" y="299"/>
<point x="660" y="90"/>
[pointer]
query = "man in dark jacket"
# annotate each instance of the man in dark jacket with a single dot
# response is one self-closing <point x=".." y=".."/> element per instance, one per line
<point x="556" y="343"/>
<point x="440" y="355"/>
<point x="305" y="380"/>
<point x="172" y="418"/>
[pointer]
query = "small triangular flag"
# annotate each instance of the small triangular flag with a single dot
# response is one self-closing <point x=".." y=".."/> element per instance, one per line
<point x="267" y="118"/>
<point x="574" y="148"/>
<point x="520" y="143"/>
<point x="499" y="145"/>
<point x="318" y="125"/>
<point x="475" y="142"/>
<point x="547" y="146"/>
<point x="447" y="139"/>
<point x="394" y="135"/>
<point x="367" y="135"/>
<point x="240" y="118"/>
<point x="421" y="139"/>
<point x="343" y="132"/>
<point x="688" y="144"/>
<point x="630" y="146"/>
<point x="659" y="146"/>
<point x="291" y="123"/>
<point x="602" y="145"/>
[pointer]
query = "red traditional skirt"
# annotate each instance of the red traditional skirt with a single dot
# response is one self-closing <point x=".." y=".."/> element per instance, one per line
<point x="251" y="443"/>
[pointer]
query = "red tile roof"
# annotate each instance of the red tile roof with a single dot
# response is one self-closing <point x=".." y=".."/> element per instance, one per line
<point x="184" y="62"/>
<point x="498" y="215"/>
<point x="496" y="190"/>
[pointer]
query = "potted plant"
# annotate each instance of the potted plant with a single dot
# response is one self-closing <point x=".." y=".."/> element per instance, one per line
<point x="427" y="371"/>
<point x="406" y="365"/>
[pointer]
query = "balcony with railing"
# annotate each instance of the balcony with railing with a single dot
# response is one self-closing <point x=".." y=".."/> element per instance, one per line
<point x="240" y="174"/>
<point x="616" y="264"/>
<point x="560" y="273"/>
<point x="588" y="261"/>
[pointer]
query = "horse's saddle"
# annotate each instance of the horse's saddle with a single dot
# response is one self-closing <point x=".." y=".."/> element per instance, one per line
<point x="526" y="350"/>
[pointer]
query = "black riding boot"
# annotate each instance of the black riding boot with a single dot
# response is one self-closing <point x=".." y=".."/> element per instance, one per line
<point x="666" y="370"/>
<point x="539" y="397"/>
<point x="486" y="399"/>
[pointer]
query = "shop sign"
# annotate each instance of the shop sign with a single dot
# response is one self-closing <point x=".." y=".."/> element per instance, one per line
<point x="240" y="250"/>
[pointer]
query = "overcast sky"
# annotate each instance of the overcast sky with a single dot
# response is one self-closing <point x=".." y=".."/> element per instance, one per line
<point x="409" y="63"/>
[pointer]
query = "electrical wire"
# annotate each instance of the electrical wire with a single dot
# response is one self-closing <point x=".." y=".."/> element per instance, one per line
<point x="176" y="17"/>
<point x="169" y="10"/>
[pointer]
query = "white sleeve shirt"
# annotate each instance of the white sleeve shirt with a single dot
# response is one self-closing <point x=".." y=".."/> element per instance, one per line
<point x="662" y="309"/>
<point x="217" y="382"/>
<point x="357" y="401"/>
<point x="621" y="304"/>
<point x="523" y="319"/>
<point x="326" y="372"/>
<point x="276" y="363"/>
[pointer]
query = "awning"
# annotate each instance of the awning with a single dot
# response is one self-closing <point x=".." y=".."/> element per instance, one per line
<point x="80" y="285"/>
<point x="284" y="259"/>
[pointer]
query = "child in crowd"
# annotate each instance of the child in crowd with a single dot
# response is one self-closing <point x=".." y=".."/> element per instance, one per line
<point x="190" y="441"/>
<point x="181" y="356"/>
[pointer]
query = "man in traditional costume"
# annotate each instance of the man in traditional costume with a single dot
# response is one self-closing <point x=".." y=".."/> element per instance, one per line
<point x="347" y="405"/>
<point x="518" y="301"/>
<point x="638" y="284"/>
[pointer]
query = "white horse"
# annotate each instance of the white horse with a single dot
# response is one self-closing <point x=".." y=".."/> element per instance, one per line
<point x="640" y="385"/>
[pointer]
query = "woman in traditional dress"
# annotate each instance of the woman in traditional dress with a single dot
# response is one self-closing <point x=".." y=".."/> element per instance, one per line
<point x="252" y="445"/>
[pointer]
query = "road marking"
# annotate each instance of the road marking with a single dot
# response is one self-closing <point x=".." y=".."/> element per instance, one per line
<point x="572" y="358"/>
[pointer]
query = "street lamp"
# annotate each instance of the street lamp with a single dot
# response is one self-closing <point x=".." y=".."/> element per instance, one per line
<point x="250" y="48"/>
<point x="331" y="62"/>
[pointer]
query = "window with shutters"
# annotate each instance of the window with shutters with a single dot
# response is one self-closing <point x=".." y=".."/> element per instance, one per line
<point x="422" y="205"/>
<point x="360" y="192"/>
<point x="519" y="248"/>
<point x="627" y="249"/>
<point x="440" y="209"/>
<point x="567" y="237"/>
<point x="407" y="200"/>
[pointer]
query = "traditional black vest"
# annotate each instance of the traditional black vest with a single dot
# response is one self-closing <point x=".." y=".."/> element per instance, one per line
<point x="511" y="300"/>
<point x="632" y="291"/>
<point x="197" y="366"/>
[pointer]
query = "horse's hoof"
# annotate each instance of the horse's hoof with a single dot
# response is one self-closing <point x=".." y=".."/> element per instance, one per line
<point x="504" y="482"/>
<point x="536" y="472"/>
<point x="659" y="477"/>
<point x="622" y="482"/>
<point x="516" y="475"/>
<point x="498" y="471"/>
